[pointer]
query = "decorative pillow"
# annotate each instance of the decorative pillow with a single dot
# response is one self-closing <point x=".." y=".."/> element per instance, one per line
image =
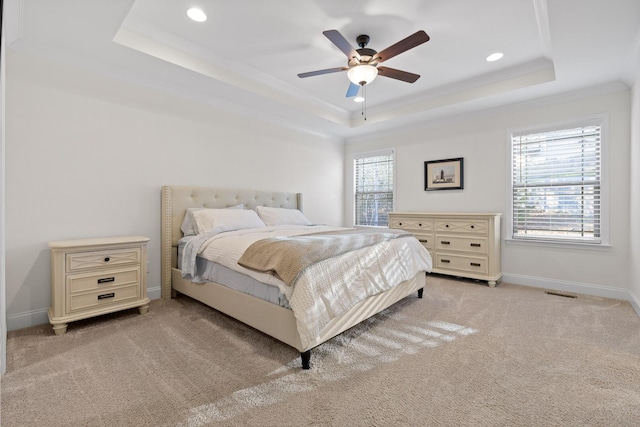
<point x="188" y="226"/>
<point x="226" y="220"/>
<point x="281" y="216"/>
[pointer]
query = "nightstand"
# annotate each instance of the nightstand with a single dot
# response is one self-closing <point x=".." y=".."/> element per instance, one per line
<point x="91" y="277"/>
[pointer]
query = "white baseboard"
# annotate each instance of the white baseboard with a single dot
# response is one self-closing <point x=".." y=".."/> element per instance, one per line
<point x="27" y="319"/>
<point x="38" y="317"/>
<point x="635" y="302"/>
<point x="566" y="286"/>
<point x="154" y="293"/>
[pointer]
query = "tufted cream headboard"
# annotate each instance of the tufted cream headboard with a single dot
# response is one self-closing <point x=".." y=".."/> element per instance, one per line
<point x="176" y="200"/>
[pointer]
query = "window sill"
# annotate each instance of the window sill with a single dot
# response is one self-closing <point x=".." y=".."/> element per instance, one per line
<point x="564" y="245"/>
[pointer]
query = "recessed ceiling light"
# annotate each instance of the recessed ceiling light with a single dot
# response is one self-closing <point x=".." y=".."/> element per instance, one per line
<point x="196" y="14"/>
<point x="494" y="57"/>
<point x="358" y="99"/>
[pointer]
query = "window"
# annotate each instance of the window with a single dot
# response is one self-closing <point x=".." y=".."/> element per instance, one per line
<point x="373" y="188"/>
<point x="556" y="187"/>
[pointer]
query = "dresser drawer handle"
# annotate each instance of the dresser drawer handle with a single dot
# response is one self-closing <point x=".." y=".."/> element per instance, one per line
<point x="445" y="243"/>
<point x="475" y="245"/>
<point x="473" y="226"/>
<point x="105" y="296"/>
<point x="106" y="280"/>
<point x="423" y="241"/>
<point x="107" y="259"/>
<point x="447" y="225"/>
<point x="475" y="264"/>
<point x="399" y="223"/>
<point x="419" y="225"/>
<point x="446" y="261"/>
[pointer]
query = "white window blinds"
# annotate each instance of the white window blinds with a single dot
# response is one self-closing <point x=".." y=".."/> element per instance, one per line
<point x="556" y="185"/>
<point x="373" y="189"/>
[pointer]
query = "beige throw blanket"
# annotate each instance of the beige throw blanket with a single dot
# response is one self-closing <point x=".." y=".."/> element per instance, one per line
<point x="287" y="257"/>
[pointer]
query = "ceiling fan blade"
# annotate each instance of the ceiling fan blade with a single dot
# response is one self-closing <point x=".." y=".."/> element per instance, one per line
<point x="353" y="90"/>
<point x="342" y="43"/>
<point x="402" y="46"/>
<point x="398" y="74"/>
<point x="320" y="72"/>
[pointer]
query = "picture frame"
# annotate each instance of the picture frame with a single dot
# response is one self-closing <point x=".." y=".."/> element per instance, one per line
<point x="447" y="174"/>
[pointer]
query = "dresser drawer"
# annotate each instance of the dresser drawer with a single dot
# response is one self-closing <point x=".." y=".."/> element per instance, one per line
<point x="462" y="263"/>
<point x="478" y="245"/>
<point x="101" y="259"/>
<point x="102" y="298"/>
<point x="425" y="239"/>
<point x="412" y="224"/>
<point x="462" y="226"/>
<point x="103" y="280"/>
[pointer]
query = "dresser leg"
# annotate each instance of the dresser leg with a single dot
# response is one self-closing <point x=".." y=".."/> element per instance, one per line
<point x="144" y="309"/>
<point x="60" y="328"/>
<point x="492" y="283"/>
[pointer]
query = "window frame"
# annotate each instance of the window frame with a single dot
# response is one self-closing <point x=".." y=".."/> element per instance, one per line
<point x="600" y="120"/>
<point x="365" y="154"/>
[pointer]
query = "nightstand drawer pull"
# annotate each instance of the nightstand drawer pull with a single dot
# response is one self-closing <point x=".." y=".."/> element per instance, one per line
<point x="445" y="243"/>
<point x="107" y="259"/>
<point x="475" y="264"/>
<point x="105" y="296"/>
<point x="475" y="245"/>
<point x="106" y="280"/>
<point x="446" y="261"/>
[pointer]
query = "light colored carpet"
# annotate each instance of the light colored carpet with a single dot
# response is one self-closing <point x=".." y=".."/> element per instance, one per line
<point x="465" y="355"/>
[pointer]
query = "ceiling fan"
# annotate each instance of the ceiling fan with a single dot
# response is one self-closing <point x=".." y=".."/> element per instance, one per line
<point x="363" y="63"/>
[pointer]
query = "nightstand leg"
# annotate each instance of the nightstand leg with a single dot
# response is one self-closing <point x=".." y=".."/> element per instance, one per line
<point x="144" y="309"/>
<point x="60" y="328"/>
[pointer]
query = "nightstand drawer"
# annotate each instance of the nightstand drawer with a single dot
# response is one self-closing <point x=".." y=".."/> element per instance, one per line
<point x="462" y="263"/>
<point x="101" y="259"/>
<point x="96" y="299"/>
<point x="462" y="226"/>
<point x="477" y="245"/>
<point x="102" y="280"/>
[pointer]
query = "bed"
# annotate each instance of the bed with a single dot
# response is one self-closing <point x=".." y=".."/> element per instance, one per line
<point x="272" y="319"/>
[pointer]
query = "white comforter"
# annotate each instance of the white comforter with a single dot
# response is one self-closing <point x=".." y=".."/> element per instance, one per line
<point x="326" y="289"/>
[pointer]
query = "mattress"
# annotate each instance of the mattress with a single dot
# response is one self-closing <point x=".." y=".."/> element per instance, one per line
<point x="209" y="271"/>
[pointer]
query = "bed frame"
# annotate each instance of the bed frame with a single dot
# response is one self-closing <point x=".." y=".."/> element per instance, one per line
<point x="273" y="320"/>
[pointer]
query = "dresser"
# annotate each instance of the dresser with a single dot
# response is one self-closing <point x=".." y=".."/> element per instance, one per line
<point x="91" y="277"/>
<point x="460" y="244"/>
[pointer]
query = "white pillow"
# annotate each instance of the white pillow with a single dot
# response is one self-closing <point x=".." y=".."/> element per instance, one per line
<point x="188" y="226"/>
<point x="281" y="216"/>
<point x="226" y="220"/>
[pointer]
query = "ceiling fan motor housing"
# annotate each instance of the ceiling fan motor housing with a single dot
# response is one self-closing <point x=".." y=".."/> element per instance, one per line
<point x="365" y="56"/>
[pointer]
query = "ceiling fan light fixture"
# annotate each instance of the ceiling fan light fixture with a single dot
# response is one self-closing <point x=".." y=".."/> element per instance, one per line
<point x="358" y="99"/>
<point x="362" y="74"/>
<point x="197" y="14"/>
<point x="494" y="57"/>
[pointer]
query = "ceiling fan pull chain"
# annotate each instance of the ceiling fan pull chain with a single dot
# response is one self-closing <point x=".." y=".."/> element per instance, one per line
<point x="364" y="103"/>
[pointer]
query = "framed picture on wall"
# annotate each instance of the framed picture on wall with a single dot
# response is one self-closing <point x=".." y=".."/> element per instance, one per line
<point x="444" y="174"/>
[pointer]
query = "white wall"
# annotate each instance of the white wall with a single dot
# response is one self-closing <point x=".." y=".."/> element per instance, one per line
<point x="635" y="199"/>
<point x="3" y="293"/>
<point x="482" y="141"/>
<point x="86" y="157"/>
